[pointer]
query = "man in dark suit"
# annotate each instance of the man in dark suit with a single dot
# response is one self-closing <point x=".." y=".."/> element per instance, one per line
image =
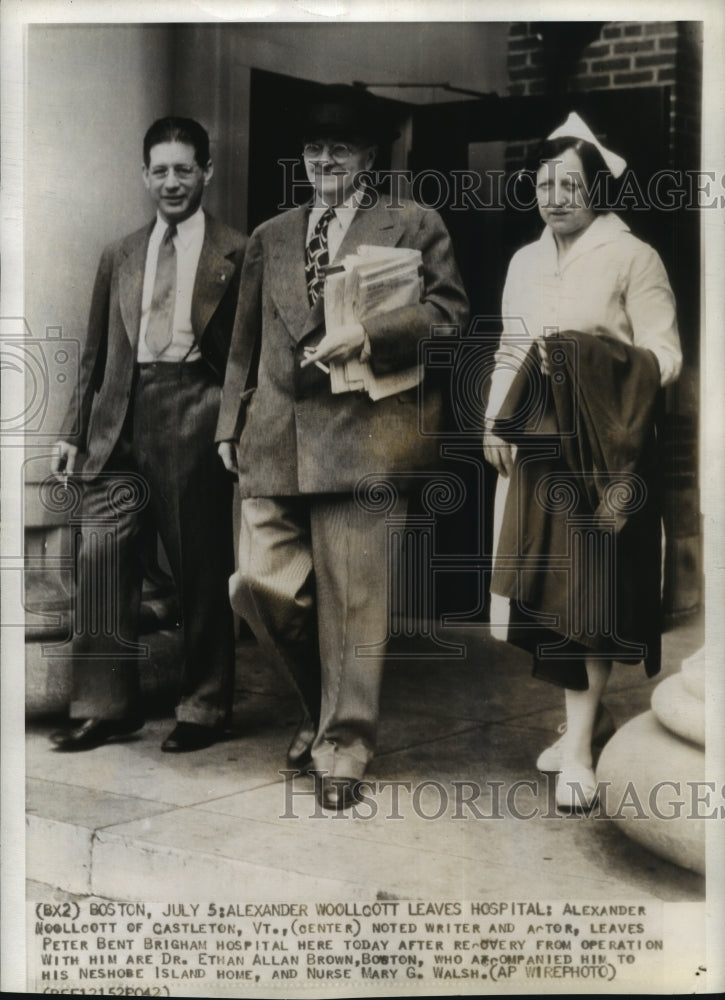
<point x="313" y="558"/>
<point x="148" y="401"/>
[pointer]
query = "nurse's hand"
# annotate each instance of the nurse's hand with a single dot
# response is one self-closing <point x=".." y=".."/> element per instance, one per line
<point x="498" y="452"/>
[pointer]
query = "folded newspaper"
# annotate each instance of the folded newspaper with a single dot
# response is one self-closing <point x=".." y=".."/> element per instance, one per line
<point x="372" y="281"/>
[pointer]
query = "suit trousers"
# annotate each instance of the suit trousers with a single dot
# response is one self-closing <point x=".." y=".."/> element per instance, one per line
<point x="313" y="585"/>
<point x="163" y="475"/>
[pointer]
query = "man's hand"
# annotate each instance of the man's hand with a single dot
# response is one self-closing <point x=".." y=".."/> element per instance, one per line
<point x="498" y="452"/>
<point x="64" y="459"/>
<point x="337" y="345"/>
<point x="228" y="454"/>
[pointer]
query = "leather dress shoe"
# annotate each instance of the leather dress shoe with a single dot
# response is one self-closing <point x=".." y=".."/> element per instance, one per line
<point x="337" y="793"/>
<point x="189" y="736"/>
<point x="93" y="733"/>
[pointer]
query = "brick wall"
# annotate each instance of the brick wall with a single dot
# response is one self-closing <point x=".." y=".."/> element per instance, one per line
<point x="626" y="54"/>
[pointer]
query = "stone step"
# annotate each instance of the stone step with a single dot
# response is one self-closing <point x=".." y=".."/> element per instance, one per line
<point x="130" y="854"/>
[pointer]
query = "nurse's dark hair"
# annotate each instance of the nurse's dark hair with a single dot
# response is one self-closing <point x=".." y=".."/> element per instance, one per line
<point x="173" y="129"/>
<point x="594" y="169"/>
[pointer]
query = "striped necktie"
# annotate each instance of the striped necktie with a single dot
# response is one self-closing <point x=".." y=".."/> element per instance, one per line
<point x="317" y="257"/>
<point x="159" y="331"/>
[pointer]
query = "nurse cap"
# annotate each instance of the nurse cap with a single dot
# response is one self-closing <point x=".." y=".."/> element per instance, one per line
<point x="575" y="128"/>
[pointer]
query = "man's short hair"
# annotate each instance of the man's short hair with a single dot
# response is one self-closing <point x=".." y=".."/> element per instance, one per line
<point x="173" y="129"/>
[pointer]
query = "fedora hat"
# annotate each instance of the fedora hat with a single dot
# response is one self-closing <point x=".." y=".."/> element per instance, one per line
<point x="344" y="112"/>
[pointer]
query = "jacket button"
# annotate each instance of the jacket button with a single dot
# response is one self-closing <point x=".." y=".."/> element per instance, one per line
<point x="222" y="277"/>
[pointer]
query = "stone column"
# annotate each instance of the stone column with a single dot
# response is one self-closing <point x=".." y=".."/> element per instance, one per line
<point x="655" y="767"/>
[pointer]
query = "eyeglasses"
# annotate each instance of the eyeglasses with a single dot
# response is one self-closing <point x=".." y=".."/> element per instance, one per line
<point x="182" y="171"/>
<point x="340" y="152"/>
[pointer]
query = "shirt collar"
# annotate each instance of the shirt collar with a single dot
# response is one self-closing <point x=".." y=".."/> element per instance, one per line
<point x="185" y="231"/>
<point x="346" y="208"/>
<point x="605" y="228"/>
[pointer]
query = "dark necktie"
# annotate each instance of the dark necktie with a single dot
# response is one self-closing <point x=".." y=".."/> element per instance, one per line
<point x="161" y="317"/>
<point x="317" y="257"/>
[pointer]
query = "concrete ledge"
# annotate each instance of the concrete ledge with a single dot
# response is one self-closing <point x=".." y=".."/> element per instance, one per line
<point x="69" y="863"/>
<point x="127" y="865"/>
<point x="67" y="817"/>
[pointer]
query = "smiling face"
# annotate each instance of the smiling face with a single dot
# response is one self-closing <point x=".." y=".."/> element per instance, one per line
<point x="561" y="197"/>
<point x="175" y="180"/>
<point x="333" y="177"/>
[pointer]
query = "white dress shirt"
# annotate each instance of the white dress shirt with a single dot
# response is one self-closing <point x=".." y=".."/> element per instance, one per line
<point x="338" y="226"/>
<point x="187" y="243"/>
<point x="608" y="283"/>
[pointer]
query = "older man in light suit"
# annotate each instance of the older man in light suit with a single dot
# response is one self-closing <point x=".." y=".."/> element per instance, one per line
<point x="148" y="401"/>
<point x="313" y="561"/>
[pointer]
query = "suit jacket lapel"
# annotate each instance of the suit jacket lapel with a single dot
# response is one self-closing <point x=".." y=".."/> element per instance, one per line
<point x="287" y="271"/>
<point x="378" y="226"/>
<point x="130" y="278"/>
<point x="213" y="274"/>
